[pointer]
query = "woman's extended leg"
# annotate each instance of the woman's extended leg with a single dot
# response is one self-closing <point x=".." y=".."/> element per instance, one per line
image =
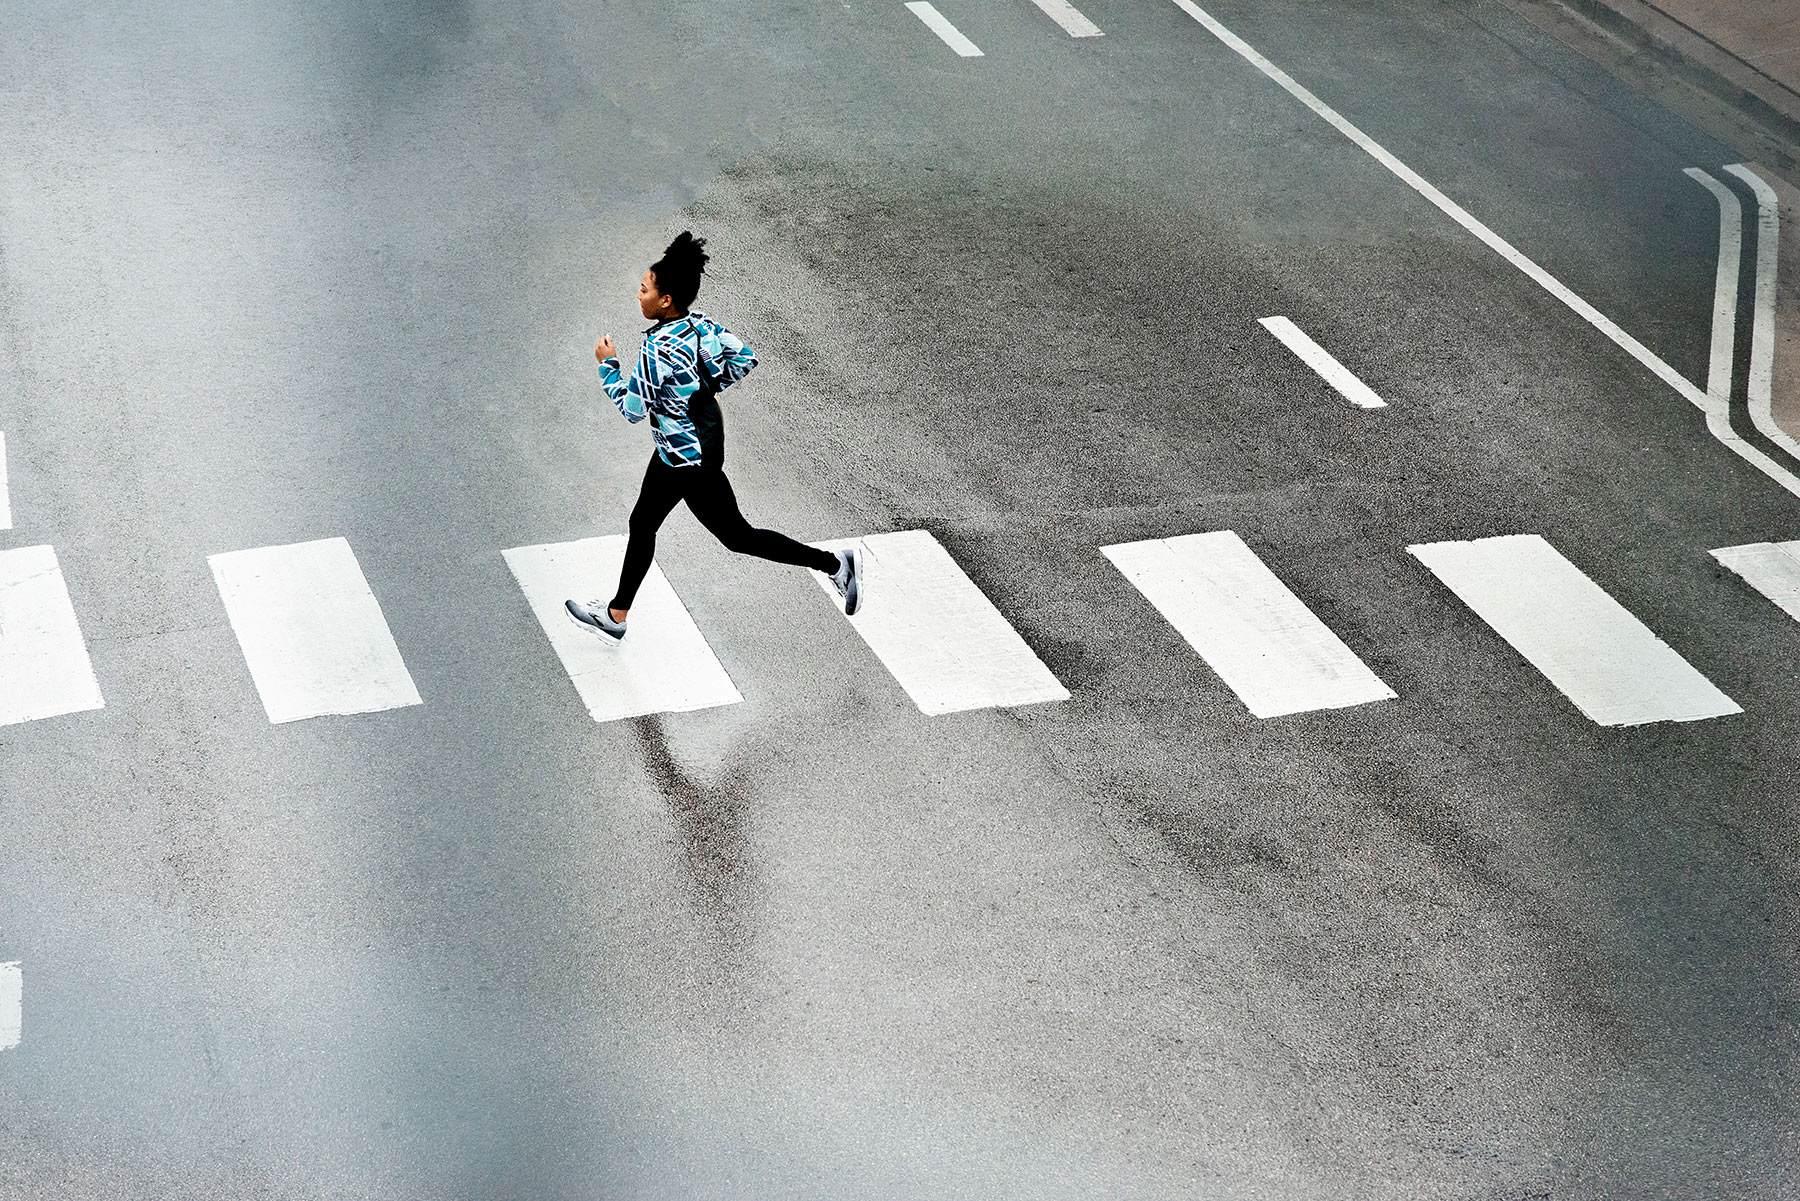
<point x="661" y="492"/>
<point x="712" y="501"/>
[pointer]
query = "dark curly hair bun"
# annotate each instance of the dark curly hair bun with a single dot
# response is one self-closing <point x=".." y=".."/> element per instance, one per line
<point x="678" y="270"/>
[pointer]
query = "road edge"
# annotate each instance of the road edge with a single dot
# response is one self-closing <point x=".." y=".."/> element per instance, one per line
<point x="1701" y="61"/>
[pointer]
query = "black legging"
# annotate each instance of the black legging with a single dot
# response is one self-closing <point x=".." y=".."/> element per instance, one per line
<point x="710" y="499"/>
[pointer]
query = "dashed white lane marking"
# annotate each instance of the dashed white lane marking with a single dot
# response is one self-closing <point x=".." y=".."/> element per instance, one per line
<point x="1065" y="14"/>
<point x="1261" y="639"/>
<point x="312" y="633"/>
<point x="5" y="497"/>
<point x="937" y="633"/>
<point x="44" y="665"/>
<point x="12" y="1005"/>
<point x="1605" y="660"/>
<point x="1587" y="312"/>
<point x="663" y="666"/>
<point x="1762" y="321"/>
<point x="1772" y="568"/>
<point x="1322" y="362"/>
<point x="938" y="24"/>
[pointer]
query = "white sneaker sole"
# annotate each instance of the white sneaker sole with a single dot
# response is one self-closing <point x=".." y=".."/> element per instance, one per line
<point x="604" y="635"/>
<point x="853" y="594"/>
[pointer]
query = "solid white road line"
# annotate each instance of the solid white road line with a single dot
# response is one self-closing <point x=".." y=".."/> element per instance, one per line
<point x="44" y="665"/>
<point x="935" y="631"/>
<point x="1606" y="661"/>
<point x="1501" y="246"/>
<point x="12" y="1005"/>
<point x="1261" y="639"/>
<point x="311" y="631"/>
<point x="936" y="22"/>
<point x="1772" y="568"/>
<point x="1064" y="14"/>
<point x="663" y="666"/>
<point x="1725" y="288"/>
<point x="1724" y="333"/>
<point x="5" y="498"/>
<point x="1762" y="322"/>
<point x="1321" y="361"/>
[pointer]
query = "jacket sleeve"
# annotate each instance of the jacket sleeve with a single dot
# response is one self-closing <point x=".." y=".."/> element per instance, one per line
<point x="633" y="397"/>
<point x="734" y="360"/>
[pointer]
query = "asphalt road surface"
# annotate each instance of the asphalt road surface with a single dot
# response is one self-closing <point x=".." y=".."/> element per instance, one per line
<point x="285" y="272"/>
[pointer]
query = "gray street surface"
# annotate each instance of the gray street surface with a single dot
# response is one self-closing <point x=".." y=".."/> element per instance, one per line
<point x="281" y="272"/>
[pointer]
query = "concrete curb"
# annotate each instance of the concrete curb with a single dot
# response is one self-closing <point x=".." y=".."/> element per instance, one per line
<point x="1701" y="61"/>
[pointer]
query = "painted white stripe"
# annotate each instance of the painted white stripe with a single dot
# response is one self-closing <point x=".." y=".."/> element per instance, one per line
<point x="1064" y="14"/>
<point x="663" y="666"/>
<point x="1724" y="334"/>
<point x="935" y="631"/>
<point x="1587" y="312"/>
<point x="12" y="1005"/>
<point x="1321" y="361"/>
<point x="1725" y="288"/>
<point x="1772" y="568"/>
<point x="938" y="24"/>
<point x="311" y="631"/>
<point x="1606" y="661"/>
<point x="1762" y="326"/>
<point x="44" y="665"/>
<point x="5" y="496"/>
<point x="1261" y="639"/>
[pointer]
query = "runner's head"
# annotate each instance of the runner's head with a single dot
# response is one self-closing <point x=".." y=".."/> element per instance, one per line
<point x="673" y="281"/>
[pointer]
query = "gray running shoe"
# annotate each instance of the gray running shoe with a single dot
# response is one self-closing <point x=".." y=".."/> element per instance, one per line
<point x="596" y="618"/>
<point x="848" y="580"/>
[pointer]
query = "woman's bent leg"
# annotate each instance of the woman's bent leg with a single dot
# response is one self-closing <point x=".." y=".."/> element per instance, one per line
<point x="710" y="498"/>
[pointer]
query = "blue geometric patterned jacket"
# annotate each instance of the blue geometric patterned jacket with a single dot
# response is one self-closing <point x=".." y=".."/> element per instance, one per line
<point x="665" y="386"/>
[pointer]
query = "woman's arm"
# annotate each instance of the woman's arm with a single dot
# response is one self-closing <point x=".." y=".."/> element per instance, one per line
<point x="631" y="397"/>
<point x="733" y="361"/>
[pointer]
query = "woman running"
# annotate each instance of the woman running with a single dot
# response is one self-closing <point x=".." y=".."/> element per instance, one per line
<point x="686" y="361"/>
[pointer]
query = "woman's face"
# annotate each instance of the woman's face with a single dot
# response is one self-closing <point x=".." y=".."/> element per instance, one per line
<point x="653" y="303"/>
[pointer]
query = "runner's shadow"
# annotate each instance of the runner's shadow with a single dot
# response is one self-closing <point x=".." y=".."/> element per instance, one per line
<point x="715" y="849"/>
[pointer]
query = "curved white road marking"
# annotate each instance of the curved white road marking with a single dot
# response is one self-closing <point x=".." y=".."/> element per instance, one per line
<point x="1724" y="334"/>
<point x="1725" y="288"/>
<point x="940" y="25"/>
<point x="1762" y="327"/>
<point x="12" y="997"/>
<point x="1587" y="312"/>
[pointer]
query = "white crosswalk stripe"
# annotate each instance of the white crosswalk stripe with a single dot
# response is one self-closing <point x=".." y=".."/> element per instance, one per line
<point x="663" y="666"/>
<point x="1065" y="14"/>
<point x="312" y="632"/>
<point x="1605" y="660"/>
<point x="44" y="665"/>
<point x="939" y="636"/>
<point x="1772" y="568"/>
<point x="1263" y="641"/>
<point x="940" y="25"/>
<point x="12" y="1005"/>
